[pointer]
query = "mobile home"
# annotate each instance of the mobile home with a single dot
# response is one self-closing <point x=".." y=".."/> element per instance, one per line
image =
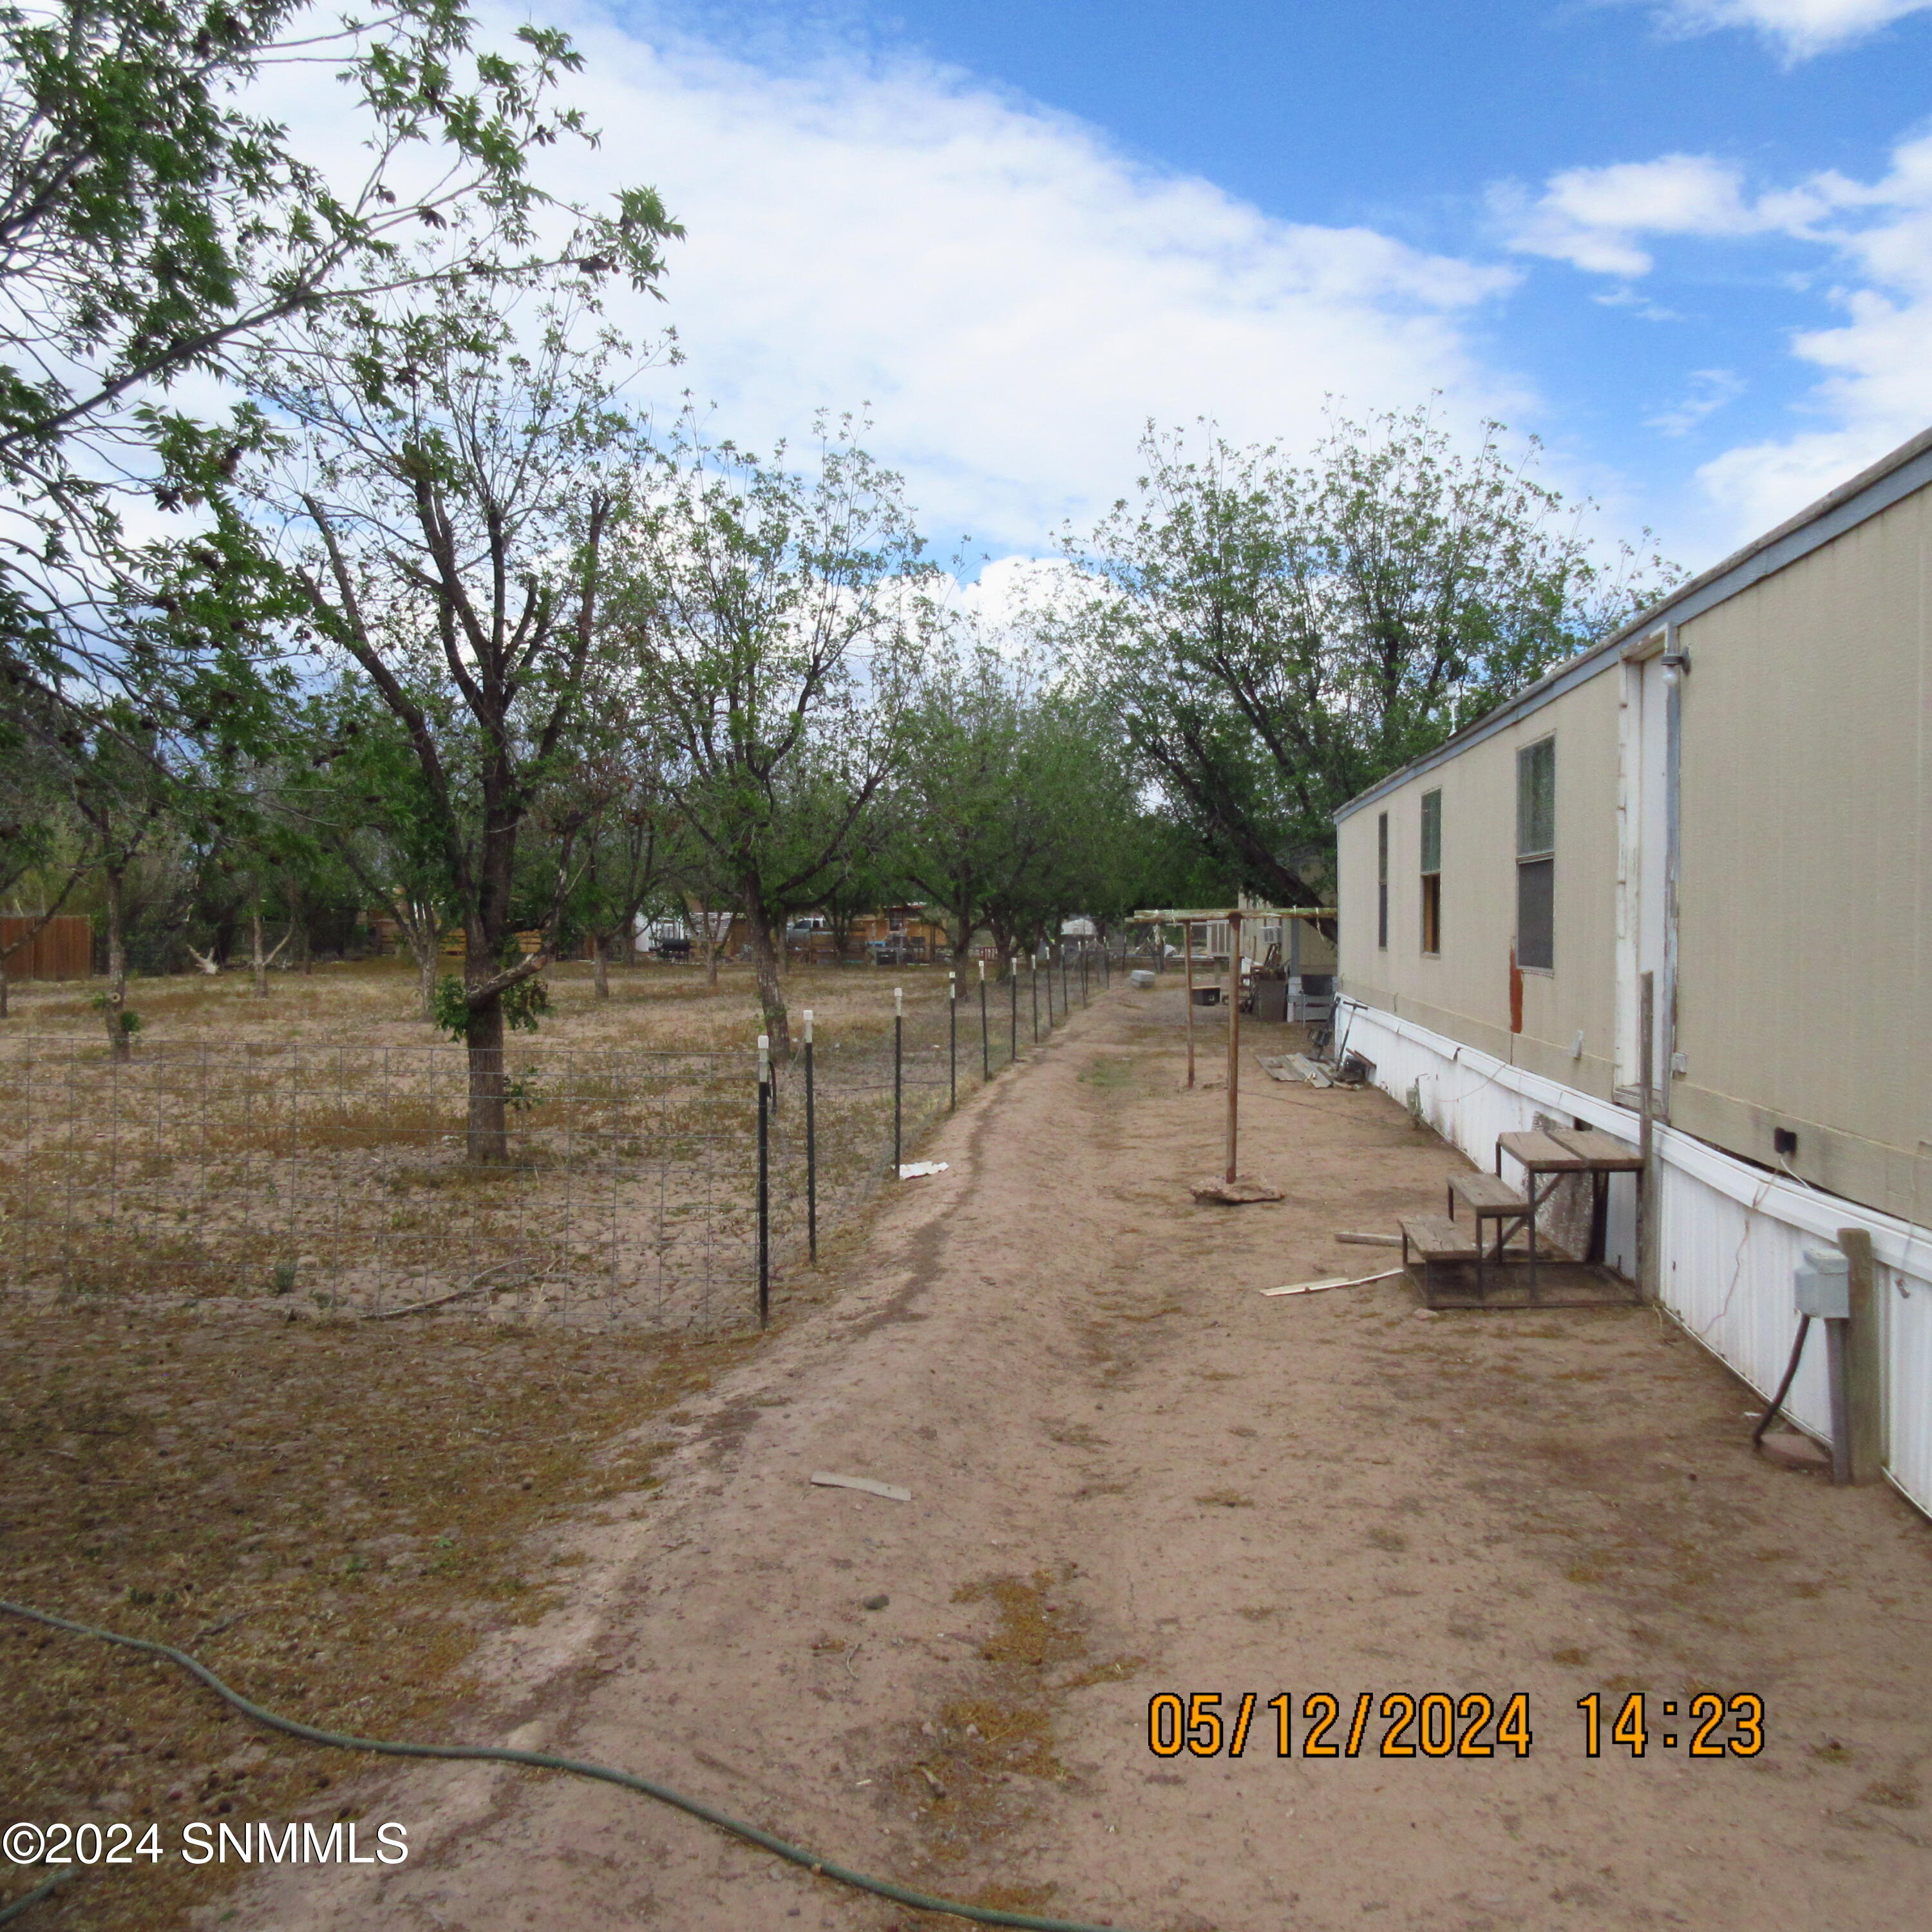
<point x="1729" y="800"/>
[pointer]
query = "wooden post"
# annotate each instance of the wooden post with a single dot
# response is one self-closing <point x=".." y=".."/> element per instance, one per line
<point x="1187" y="943"/>
<point x="1864" y="1385"/>
<point x="1233" y="1039"/>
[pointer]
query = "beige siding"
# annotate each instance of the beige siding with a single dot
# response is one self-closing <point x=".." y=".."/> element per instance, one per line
<point x="1465" y="991"/>
<point x="1805" y="995"/>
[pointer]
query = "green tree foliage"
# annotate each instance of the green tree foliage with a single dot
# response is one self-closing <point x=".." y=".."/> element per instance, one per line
<point x="151" y="226"/>
<point x="450" y="494"/>
<point x="766" y="615"/>
<point x="1015" y="801"/>
<point x="1274" y="637"/>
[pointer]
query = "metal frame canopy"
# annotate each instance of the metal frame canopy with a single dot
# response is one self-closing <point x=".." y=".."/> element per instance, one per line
<point x="1197" y="918"/>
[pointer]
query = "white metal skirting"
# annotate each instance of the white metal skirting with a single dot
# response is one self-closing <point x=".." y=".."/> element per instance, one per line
<point x="1729" y="1234"/>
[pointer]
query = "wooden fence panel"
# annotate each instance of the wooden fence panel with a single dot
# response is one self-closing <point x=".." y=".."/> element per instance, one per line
<point x="63" y="949"/>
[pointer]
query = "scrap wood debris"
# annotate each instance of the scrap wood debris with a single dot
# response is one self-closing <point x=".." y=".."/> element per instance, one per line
<point x="892" y="1493"/>
<point x="1335" y="1281"/>
<point x="1293" y="1066"/>
<point x="911" y="1170"/>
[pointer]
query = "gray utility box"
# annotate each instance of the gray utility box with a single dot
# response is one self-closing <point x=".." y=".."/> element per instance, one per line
<point x="1823" y="1281"/>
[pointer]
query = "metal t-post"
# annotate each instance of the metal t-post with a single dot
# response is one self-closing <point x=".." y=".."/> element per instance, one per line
<point x="985" y="1038"/>
<point x="1013" y="1001"/>
<point x="810" y="1151"/>
<point x="764" y="1179"/>
<point x="1033" y="970"/>
<point x="1066" y="1004"/>
<point x="1187" y="939"/>
<point x="1083" y="998"/>
<point x="952" y="1041"/>
<point x="1233" y="1039"/>
<point x="898" y="1080"/>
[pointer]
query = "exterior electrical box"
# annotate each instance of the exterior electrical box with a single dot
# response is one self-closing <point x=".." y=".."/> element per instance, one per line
<point x="1823" y="1281"/>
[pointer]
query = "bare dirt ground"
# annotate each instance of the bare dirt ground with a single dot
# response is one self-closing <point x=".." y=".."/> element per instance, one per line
<point x="1132" y="1474"/>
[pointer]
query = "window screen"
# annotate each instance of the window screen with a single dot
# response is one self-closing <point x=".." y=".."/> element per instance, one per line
<point x="1536" y="854"/>
<point x="1431" y="871"/>
<point x="1381" y="880"/>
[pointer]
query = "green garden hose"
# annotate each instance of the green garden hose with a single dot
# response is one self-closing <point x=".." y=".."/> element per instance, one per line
<point x="920" y="1901"/>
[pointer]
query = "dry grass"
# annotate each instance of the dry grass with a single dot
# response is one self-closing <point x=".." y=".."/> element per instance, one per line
<point x="332" y="1515"/>
<point x="373" y="1002"/>
<point x="313" y="1142"/>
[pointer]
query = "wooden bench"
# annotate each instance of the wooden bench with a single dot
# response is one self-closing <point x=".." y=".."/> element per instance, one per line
<point x="1435" y="1239"/>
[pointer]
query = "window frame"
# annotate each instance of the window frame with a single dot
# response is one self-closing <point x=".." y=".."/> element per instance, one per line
<point x="1382" y="881"/>
<point x="1536" y="851"/>
<point x="1432" y="875"/>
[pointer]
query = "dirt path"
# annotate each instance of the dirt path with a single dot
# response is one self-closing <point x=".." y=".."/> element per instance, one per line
<point x="1132" y="1474"/>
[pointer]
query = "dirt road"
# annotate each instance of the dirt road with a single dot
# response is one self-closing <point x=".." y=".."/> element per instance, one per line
<point x="1132" y="1474"/>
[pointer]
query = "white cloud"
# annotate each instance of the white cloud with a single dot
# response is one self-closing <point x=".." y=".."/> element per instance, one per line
<point x="1710" y="390"/>
<point x="1799" y="27"/>
<point x="1594" y="217"/>
<point x="1876" y="243"/>
<point x="1011" y="296"/>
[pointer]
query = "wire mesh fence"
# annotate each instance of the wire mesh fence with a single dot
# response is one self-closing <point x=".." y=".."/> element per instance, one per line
<point x="639" y="1191"/>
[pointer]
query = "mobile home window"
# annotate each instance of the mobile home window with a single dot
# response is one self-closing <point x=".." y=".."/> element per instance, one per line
<point x="1431" y="871"/>
<point x="1381" y="880"/>
<point x="1536" y="854"/>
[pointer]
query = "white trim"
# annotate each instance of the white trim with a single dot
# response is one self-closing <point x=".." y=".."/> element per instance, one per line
<point x="1729" y="1234"/>
<point x="1897" y="1243"/>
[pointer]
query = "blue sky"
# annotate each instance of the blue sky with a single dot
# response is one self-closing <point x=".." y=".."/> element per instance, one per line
<point x="1688" y="244"/>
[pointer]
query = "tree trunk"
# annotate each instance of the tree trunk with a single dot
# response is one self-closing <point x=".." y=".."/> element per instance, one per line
<point x="771" y="993"/>
<point x="258" y="962"/>
<point x="489" y="1131"/>
<point x="600" y="964"/>
<point x="119" y="1043"/>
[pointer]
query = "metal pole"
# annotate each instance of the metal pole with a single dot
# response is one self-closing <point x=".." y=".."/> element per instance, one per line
<point x="1234" y="1038"/>
<point x="1187" y="942"/>
<point x="898" y="1064"/>
<point x="952" y="1041"/>
<point x="1084" y="998"/>
<point x="985" y="1038"/>
<point x="1033" y="974"/>
<point x="1066" y="1004"/>
<point x="1013" y="1001"/>
<point x="1839" y="1386"/>
<point x="1647" y="1193"/>
<point x="810" y="1151"/>
<point x="764" y="1179"/>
